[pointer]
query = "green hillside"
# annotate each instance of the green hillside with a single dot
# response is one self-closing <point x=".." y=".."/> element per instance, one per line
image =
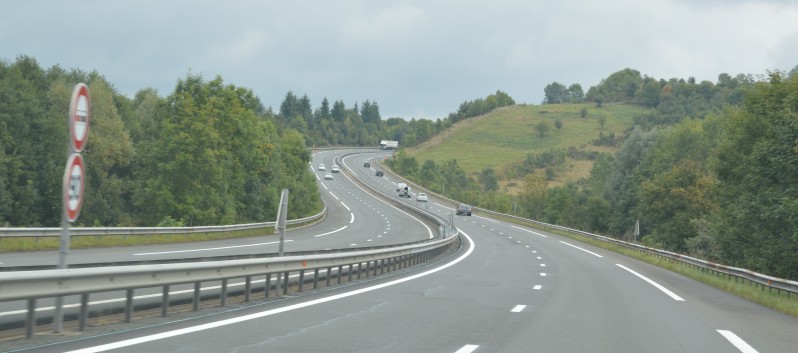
<point x="506" y="136"/>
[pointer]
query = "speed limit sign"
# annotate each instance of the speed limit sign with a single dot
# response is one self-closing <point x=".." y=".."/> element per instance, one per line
<point x="74" y="184"/>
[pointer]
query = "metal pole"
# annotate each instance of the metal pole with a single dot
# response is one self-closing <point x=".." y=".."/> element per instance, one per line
<point x="281" y="217"/>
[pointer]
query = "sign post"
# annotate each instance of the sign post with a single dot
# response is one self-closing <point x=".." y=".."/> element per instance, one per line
<point x="282" y="215"/>
<point x="74" y="179"/>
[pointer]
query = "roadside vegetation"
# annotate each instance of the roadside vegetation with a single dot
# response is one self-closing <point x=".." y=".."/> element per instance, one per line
<point x="707" y="168"/>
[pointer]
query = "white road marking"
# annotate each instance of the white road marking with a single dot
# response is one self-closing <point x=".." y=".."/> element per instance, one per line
<point x="346" y="207"/>
<point x="467" y="348"/>
<point x="527" y="230"/>
<point x="537" y="287"/>
<point x="333" y="195"/>
<point x="444" y="206"/>
<point x="543" y="274"/>
<point x="207" y="249"/>
<point x="655" y="284"/>
<point x="518" y="308"/>
<point x="325" y="186"/>
<point x="353" y="218"/>
<point x="335" y="231"/>
<point x="585" y="250"/>
<point x="737" y="342"/>
<point x="542" y="265"/>
<point x="235" y="320"/>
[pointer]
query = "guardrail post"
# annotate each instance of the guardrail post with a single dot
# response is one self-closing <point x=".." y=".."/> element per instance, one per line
<point x="223" y="294"/>
<point x="268" y="284"/>
<point x="165" y="301"/>
<point x="301" y="280"/>
<point x="31" y="318"/>
<point x="285" y="285"/>
<point x="84" y="311"/>
<point x="329" y="274"/>
<point x="247" y="288"/>
<point x="339" y="274"/>
<point x="129" y="305"/>
<point x="349" y="274"/>
<point x="196" y="301"/>
<point x="315" y="278"/>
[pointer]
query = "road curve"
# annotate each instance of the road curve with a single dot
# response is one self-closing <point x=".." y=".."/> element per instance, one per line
<point x="510" y="289"/>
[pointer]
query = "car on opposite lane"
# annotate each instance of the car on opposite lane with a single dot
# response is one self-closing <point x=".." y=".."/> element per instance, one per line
<point x="463" y="209"/>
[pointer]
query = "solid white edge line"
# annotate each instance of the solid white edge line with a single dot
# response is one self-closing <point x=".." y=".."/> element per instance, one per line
<point x="737" y="342"/>
<point x="211" y="325"/>
<point x="207" y="249"/>
<point x="527" y="230"/>
<point x="585" y="250"/>
<point x="467" y="348"/>
<point x="655" y="284"/>
<point x="337" y="230"/>
<point x="518" y="309"/>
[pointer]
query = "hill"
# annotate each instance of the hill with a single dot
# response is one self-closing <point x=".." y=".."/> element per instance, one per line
<point x="504" y="138"/>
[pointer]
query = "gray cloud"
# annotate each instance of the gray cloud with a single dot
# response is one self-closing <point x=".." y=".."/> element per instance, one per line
<point x="415" y="58"/>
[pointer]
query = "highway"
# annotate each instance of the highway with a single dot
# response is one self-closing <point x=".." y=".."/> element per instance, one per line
<point x="509" y="289"/>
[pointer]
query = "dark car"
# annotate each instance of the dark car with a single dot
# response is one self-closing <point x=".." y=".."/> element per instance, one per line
<point x="366" y="165"/>
<point x="378" y="173"/>
<point x="463" y="209"/>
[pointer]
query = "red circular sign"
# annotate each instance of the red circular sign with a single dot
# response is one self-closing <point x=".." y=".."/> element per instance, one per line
<point x="79" y="115"/>
<point x="74" y="184"/>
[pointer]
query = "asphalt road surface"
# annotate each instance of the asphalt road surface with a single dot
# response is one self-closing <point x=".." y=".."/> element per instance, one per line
<point x="510" y="289"/>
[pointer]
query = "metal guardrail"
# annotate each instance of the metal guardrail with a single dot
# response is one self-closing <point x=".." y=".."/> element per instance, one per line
<point x="34" y="285"/>
<point x="776" y="283"/>
<point x="86" y="231"/>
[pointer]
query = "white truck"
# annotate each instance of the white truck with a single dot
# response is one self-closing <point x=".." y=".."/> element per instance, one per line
<point x="389" y="145"/>
<point x="403" y="190"/>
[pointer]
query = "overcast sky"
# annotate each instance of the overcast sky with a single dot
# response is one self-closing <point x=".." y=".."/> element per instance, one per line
<point x="414" y="58"/>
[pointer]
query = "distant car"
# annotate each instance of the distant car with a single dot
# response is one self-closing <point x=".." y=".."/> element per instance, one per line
<point x="463" y="209"/>
<point x="366" y="165"/>
<point x="322" y="167"/>
<point x="378" y="173"/>
<point x="335" y="168"/>
<point x="422" y="197"/>
<point x="328" y="176"/>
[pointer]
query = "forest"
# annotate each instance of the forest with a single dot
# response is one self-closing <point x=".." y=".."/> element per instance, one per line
<point x="208" y="153"/>
<point x="708" y="171"/>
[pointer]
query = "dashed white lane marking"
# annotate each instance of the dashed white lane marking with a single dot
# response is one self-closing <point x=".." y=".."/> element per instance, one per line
<point x="542" y="265"/>
<point x="529" y="231"/>
<point x="537" y="287"/>
<point x="336" y="197"/>
<point x="337" y="230"/>
<point x="518" y="308"/>
<point x="737" y="342"/>
<point x="543" y="274"/>
<point x="655" y="284"/>
<point x="325" y="186"/>
<point x="207" y="249"/>
<point x="585" y="250"/>
<point x="467" y="348"/>
<point x="346" y="207"/>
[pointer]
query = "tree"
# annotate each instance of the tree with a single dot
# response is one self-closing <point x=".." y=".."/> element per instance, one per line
<point x="575" y="93"/>
<point x="555" y="93"/>
<point x="533" y="196"/>
<point x="757" y="222"/>
<point x="489" y="179"/>
<point x="542" y="128"/>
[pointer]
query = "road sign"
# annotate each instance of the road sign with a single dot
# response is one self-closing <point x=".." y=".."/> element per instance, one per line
<point x="79" y="115"/>
<point x="74" y="183"/>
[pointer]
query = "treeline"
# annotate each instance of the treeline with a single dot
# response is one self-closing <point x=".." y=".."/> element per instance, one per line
<point x="718" y="185"/>
<point x="206" y="154"/>
<point x="362" y="124"/>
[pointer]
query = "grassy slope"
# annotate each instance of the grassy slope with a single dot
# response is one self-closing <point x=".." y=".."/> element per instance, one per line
<point x="507" y="135"/>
